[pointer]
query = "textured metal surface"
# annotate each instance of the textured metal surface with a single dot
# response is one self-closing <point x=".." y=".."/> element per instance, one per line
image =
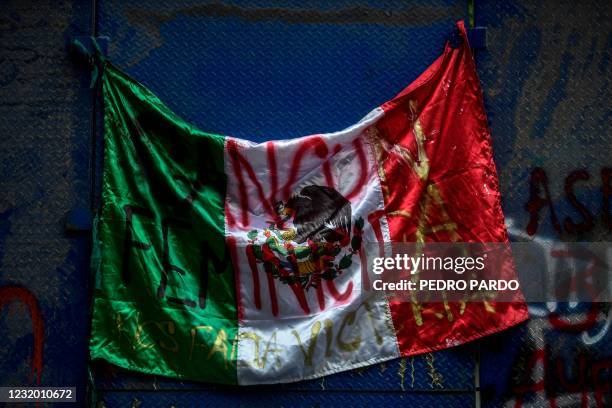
<point x="44" y="132"/>
<point x="546" y="76"/>
<point x="274" y="398"/>
<point x="269" y="69"/>
<point x="430" y="373"/>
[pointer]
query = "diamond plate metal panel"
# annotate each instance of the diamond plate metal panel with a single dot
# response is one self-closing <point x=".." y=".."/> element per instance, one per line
<point x="427" y="373"/>
<point x="546" y="76"/>
<point x="281" y="399"/>
<point x="546" y="80"/>
<point x="44" y="139"/>
<point x="265" y="70"/>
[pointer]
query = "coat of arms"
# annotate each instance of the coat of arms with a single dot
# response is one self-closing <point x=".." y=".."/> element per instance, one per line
<point x="312" y="241"/>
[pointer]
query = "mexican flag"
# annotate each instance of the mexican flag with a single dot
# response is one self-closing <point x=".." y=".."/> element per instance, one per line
<point x="221" y="260"/>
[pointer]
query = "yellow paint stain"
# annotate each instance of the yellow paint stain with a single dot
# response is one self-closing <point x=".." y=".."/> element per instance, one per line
<point x="402" y="373"/>
<point x="348" y="345"/>
<point x="220" y="347"/>
<point x="314" y="333"/>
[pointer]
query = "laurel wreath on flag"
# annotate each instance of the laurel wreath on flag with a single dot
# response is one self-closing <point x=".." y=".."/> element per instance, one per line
<point x="306" y="264"/>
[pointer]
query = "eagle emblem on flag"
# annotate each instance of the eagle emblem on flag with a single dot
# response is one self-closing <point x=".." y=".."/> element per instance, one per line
<point x="311" y="241"/>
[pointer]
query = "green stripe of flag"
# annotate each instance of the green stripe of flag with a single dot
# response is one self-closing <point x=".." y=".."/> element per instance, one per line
<point x="165" y="299"/>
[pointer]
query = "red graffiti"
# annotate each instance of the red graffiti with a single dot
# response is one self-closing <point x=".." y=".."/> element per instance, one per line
<point x="540" y="197"/>
<point x="245" y="174"/>
<point x="363" y="170"/>
<point x="599" y="387"/>
<point x="590" y="320"/>
<point x="244" y="200"/>
<point x="233" y="250"/>
<point x="329" y="178"/>
<point x="536" y="202"/>
<point x="241" y="166"/>
<point x="538" y="356"/>
<point x="10" y="294"/>
<point x="231" y="221"/>
<point x="272" y="293"/>
<point x="339" y="297"/>
<point x="298" y="291"/>
<point x="558" y="322"/>
<point x="238" y="163"/>
<point x="315" y="143"/>
<point x="320" y="295"/>
<point x="273" y="172"/>
<point x="577" y="386"/>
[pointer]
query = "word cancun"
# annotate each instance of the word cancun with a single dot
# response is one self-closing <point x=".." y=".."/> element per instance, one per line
<point x="446" y="285"/>
<point x="413" y="264"/>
